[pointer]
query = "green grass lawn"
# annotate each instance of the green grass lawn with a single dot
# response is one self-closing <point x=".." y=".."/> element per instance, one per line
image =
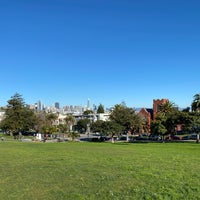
<point x="123" y="171"/>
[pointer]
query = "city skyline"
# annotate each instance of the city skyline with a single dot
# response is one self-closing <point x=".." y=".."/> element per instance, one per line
<point x="40" y="105"/>
<point x="108" y="51"/>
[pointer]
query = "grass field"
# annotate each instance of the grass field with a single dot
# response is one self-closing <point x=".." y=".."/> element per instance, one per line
<point x="43" y="171"/>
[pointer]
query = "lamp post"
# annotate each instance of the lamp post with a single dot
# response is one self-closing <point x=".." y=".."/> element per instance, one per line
<point x="197" y="130"/>
<point x="88" y="130"/>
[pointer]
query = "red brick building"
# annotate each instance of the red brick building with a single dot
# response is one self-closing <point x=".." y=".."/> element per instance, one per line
<point x="147" y="114"/>
<point x="157" y="104"/>
<point x="150" y="114"/>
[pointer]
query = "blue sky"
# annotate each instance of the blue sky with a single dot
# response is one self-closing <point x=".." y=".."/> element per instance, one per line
<point x="106" y="50"/>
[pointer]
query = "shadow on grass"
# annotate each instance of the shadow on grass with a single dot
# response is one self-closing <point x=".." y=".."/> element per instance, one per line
<point x="120" y="143"/>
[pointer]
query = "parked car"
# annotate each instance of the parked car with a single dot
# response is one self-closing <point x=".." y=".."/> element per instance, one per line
<point x="176" y="137"/>
<point x="185" y="137"/>
<point x="142" y="137"/>
<point x="155" y="137"/>
<point x="193" y="136"/>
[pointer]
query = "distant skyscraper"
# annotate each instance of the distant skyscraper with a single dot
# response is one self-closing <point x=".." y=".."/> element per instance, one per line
<point x="57" y="105"/>
<point x="88" y="104"/>
<point x="39" y="106"/>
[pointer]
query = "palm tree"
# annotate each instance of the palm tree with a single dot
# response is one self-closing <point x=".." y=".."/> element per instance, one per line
<point x="196" y="103"/>
<point x="73" y="135"/>
<point x="70" y="121"/>
<point x="167" y="107"/>
<point x="51" y="118"/>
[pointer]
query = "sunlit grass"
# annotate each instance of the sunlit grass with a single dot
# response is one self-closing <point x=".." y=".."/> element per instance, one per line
<point x="99" y="171"/>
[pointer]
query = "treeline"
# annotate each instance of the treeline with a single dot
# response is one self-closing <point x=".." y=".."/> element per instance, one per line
<point x="123" y="120"/>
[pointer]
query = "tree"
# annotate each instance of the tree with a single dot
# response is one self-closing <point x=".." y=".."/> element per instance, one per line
<point x="157" y="128"/>
<point x="70" y="121"/>
<point x="170" y="118"/>
<point x="48" y="126"/>
<point x="82" y="124"/>
<point x="73" y="135"/>
<point x="30" y="119"/>
<point x="98" y="126"/>
<point x="51" y="118"/>
<point x="62" y="128"/>
<point x="18" y="118"/>
<point x="49" y="129"/>
<point x="167" y="108"/>
<point x="127" y="118"/>
<point x="87" y="112"/>
<point x="184" y="119"/>
<point x="139" y="124"/>
<point x="196" y="124"/>
<point x="109" y="128"/>
<point x="112" y="129"/>
<point x="40" y="121"/>
<point x="196" y="103"/>
<point x="100" y="109"/>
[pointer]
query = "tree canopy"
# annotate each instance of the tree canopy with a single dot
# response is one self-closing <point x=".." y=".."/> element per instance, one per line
<point x="70" y="121"/>
<point x="18" y="118"/>
<point x="87" y="112"/>
<point x="100" y="109"/>
<point x="82" y="125"/>
<point x="127" y="118"/>
<point x="169" y="118"/>
<point x="196" y="103"/>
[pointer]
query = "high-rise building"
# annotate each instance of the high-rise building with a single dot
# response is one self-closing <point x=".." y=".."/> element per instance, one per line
<point x="88" y="104"/>
<point x="39" y="106"/>
<point x="57" y="105"/>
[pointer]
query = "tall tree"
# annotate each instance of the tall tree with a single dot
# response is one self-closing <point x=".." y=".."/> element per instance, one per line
<point x="100" y="109"/>
<point x="18" y="118"/>
<point x="167" y="108"/>
<point x="70" y="121"/>
<point x="127" y="118"/>
<point x="171" y="119"/>
<point x="49" y="127"/>
<point x="196" y="103"/>
<point x="51" y="118"/>
<point x="40" y="121"/>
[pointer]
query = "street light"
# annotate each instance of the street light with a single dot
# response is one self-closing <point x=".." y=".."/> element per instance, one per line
<point x="88" y="129"/>
<point x="197" y="130"/>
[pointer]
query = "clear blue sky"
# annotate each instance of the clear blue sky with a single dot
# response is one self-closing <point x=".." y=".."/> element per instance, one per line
<point x="106" y="50"/>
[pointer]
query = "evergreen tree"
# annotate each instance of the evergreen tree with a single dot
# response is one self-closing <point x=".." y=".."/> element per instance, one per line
<point x="18" y="118"/>
<point x="100" y="109"/>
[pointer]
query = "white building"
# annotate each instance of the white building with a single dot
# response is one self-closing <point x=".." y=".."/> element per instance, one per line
<point x="2" y="114"/>
<point x="60" y="120"/>
<point x="93" y="117"/>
